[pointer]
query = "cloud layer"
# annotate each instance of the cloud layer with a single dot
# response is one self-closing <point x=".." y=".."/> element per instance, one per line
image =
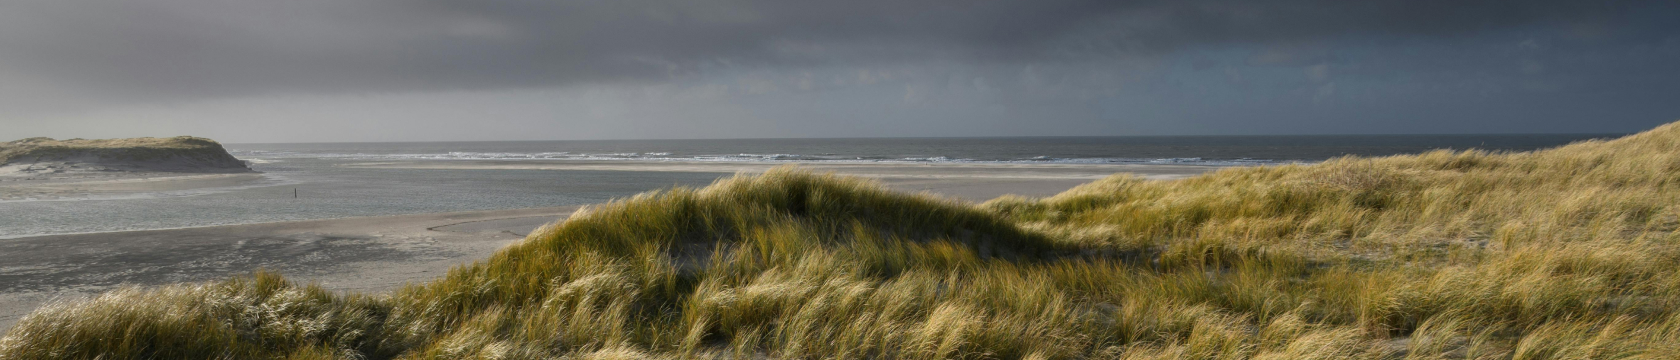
<point x="64" y="55"/>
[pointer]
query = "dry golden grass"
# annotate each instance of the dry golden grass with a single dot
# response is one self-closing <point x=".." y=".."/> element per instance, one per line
<point x="1568" y="253"/>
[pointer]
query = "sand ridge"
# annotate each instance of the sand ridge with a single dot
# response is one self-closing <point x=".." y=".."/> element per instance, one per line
<point x="116" y="185"/>
<point x="46" y="157"/>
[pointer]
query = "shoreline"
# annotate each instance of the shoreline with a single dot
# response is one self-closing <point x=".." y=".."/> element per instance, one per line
<point x="379" y="253"/>
<point x="347" y="218"/>
<point x="863" y="169"/>
<point x="120" y="186"/>
<point x="361" y="254"/>
<point x="976" y="182"/>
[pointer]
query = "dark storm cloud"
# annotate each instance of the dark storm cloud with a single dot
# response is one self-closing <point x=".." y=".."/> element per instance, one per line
<point x="177" y="50"/>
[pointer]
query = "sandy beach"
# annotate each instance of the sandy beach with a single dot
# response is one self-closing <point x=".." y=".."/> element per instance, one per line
<point x="355" y="254"/>
<point x="370" y="254"/>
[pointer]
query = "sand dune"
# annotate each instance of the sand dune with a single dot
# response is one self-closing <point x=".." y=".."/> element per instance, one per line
<point x="358" y="254"/>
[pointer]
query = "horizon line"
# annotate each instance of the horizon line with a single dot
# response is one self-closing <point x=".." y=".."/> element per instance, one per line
<point x="1617" y="134"/>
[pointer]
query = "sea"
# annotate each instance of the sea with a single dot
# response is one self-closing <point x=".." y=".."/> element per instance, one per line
<point x="325" y="189"/>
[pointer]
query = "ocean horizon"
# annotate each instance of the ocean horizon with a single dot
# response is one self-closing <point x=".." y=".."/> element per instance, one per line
<point x="1223" y="150"/>
<point x="331" y="189"/>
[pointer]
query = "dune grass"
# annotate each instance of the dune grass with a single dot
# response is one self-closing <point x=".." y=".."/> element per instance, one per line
<point x="146" y="148"/>
<point x="1567" y="253"/>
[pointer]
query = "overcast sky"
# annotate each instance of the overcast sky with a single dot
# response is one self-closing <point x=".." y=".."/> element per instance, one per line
<point x="423" y="70"/>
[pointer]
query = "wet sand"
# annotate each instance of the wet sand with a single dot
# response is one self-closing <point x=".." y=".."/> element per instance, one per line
<point x="357" y="254"/>
<point x="114" y="185"/>
<point x="371" y="254"/>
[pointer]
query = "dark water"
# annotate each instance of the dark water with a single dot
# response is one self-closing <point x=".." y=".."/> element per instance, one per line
<point x="331" y="191"/>
<point x="328" y="191"/>
<point x="1209" y="150"/>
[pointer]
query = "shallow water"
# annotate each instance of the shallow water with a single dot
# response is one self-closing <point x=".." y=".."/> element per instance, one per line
<point x="1205" y="150"/>
<point x="327" y="191"/>
<point x="330" y="191"/>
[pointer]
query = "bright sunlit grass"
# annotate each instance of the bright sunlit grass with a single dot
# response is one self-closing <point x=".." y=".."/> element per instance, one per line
<point x="1565" y="253"/>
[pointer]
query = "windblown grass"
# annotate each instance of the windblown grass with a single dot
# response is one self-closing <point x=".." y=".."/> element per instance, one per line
<point x="1568" y="253"/>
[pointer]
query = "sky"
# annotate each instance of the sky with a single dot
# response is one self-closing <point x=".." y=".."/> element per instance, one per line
<point x="434" y="70"/>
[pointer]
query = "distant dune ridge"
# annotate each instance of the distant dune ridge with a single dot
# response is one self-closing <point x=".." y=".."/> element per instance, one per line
<point x="45" y="156"/>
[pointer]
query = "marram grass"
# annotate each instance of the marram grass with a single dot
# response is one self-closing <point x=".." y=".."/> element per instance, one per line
<point x="1568" y="253"/>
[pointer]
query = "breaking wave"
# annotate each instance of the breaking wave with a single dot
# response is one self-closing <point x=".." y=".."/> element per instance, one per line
<point x="261" y="155"/>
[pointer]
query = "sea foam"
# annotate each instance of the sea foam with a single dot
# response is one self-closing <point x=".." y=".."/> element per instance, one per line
<point x="258" y="156"/>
